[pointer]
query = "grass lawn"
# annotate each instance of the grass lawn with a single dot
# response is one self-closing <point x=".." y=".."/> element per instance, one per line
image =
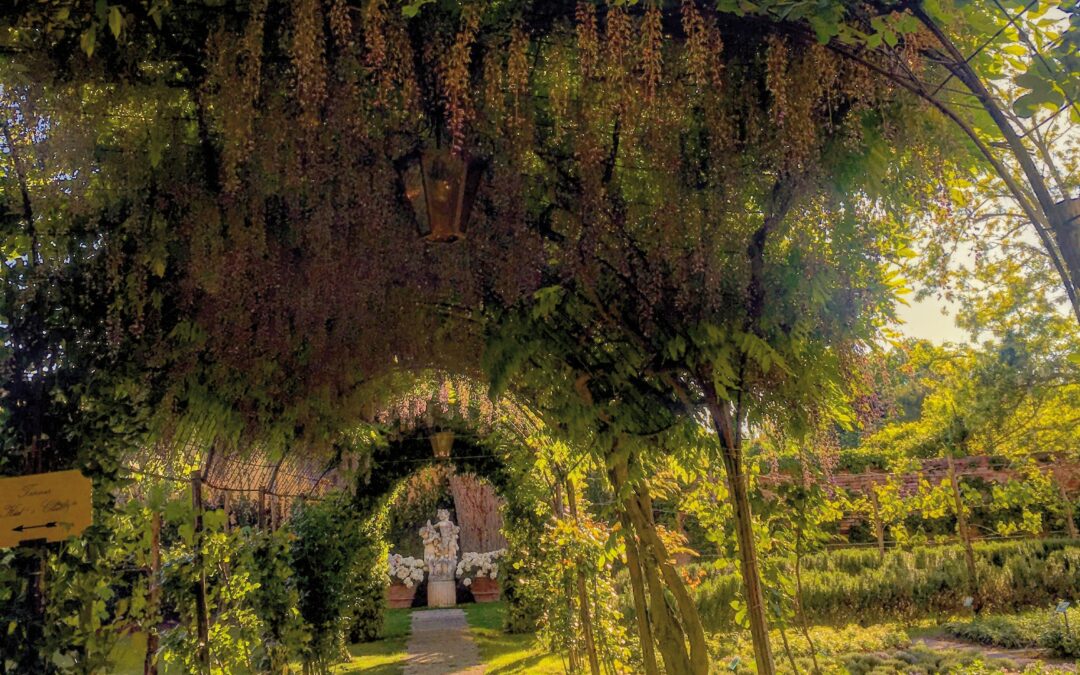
<point x="385" y="656"/>
<point x="505" y="653"/>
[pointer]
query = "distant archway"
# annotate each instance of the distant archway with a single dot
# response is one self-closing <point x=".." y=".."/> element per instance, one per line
<point x="488" y="456"/>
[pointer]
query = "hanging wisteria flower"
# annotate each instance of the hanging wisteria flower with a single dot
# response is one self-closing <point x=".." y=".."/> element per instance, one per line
<point x="473" y="564"/>
<point x="406" y="569"/>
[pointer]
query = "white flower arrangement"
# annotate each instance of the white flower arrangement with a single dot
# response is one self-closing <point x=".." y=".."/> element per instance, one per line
<point x="406" y="569"/>
<point x="473" y="565"/>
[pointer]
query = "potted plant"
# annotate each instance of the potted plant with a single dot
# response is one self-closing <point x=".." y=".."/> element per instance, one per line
<point x="405" y="573"/>
<point x="480" y="572"/>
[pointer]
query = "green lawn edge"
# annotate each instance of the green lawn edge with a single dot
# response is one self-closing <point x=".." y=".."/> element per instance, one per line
<point x="504" y="653"/>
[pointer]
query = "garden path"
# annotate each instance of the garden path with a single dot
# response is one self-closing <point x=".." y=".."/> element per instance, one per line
<point x="441" y="644"/>
<point x="1021" y="657"/>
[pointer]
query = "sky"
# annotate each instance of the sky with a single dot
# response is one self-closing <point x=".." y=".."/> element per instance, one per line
<point x="924" y="319"/>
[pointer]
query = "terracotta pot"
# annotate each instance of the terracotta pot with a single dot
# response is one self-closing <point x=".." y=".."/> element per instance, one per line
<point x="400" y="596"/>
<point x="484" y="589"/>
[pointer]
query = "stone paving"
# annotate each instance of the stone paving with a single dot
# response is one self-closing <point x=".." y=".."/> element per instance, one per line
<point x="441" y="644"/>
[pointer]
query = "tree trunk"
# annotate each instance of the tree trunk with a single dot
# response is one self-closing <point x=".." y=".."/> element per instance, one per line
<point x="669" y="635"/>
<point x="965" y="534"/>
<point x="560" y="513"/>
<point x="787" y="648"/>
<point x="800" y="613"/>
<point x="744" y="534"/>
<point x="727" y="431"/>
<point x="695" y="632"/>
<point x="879" y="527"/>
<point x="583" y="596"/>
<point x="1066" y="226"/>
<point x="637" y="585"/>
<point x="1066" y="505"/>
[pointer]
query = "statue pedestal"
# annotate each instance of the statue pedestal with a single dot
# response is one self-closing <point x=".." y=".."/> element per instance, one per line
<point x="441" y="593"/>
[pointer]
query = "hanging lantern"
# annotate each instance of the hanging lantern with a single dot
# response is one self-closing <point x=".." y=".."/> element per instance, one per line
<point x="441" y="443"/>
<point x="441" y="188"/>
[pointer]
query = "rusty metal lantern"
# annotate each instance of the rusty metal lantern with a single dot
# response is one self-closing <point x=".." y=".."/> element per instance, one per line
<point x="441" y="187"/>
<point x="441" y="443"/>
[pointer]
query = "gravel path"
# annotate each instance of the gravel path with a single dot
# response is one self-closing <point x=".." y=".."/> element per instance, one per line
<point x="440" y="644"/>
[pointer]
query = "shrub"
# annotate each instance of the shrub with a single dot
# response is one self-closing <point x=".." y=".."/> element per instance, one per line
<point x="339" y="562"/>
<point x="274" y="601"/>
<point x="925" y="581"/>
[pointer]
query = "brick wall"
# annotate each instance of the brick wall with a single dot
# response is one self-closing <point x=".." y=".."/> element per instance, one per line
<point x="936" y="470"/>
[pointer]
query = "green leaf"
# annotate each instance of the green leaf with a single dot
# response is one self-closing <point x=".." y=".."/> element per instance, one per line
<point x="934" y="11"/>
<point x="88" y="40"/>
<point x="116" y="21"/>
<point x="824" y="29"/>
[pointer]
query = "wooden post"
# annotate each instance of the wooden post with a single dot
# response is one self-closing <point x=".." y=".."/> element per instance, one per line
<point x="153" y="640"/>
<point x="965" y="533"/>
<point x="33" y="569"/>
<point x="225" y="506"/>
<point x="879" y="527"/>
<point x="262" y="509"/>
<point x="202" y="616"/>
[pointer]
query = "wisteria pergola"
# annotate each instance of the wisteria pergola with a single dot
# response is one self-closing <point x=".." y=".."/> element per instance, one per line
<point x="684" y="218"/>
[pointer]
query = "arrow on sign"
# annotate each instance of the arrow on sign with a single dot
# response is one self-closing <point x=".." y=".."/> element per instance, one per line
<point x="20" y="528"/>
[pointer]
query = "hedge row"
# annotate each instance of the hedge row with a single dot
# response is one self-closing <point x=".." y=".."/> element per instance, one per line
<point x="846" y="586"/>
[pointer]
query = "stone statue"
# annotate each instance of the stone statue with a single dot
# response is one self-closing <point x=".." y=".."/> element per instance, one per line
<point x="448" y="536"/>
<point x="440" y="554"/>
<point x="430" y="538"/>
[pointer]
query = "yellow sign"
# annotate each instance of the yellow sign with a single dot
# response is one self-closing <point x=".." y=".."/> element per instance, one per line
<point x="49" y="506"/>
